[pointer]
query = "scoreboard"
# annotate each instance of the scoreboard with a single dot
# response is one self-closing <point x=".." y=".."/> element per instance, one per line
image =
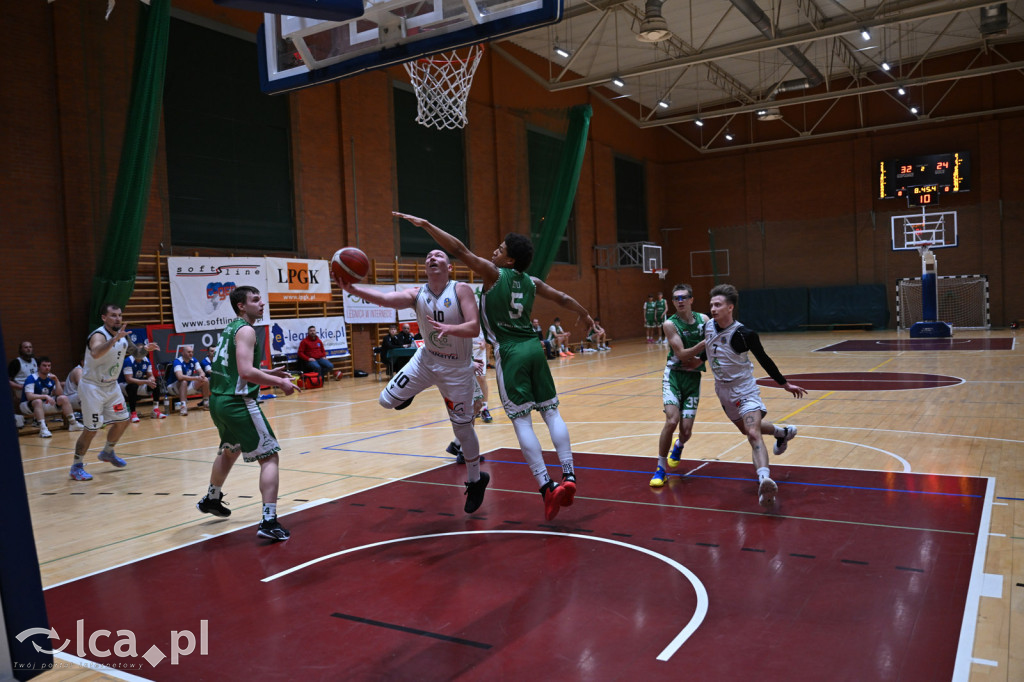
<point x="923" y="179"/>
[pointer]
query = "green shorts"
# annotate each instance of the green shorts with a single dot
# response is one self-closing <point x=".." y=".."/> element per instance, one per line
<point x="681" y="389"/>
<point x="651" y="320"/>
<point x="242" y="426"/>
<point x="524" y="378"/>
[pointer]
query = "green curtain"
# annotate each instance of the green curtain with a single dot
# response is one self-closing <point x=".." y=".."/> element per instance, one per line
<point x="563" y="192"/>
<point x="118" y="262"/>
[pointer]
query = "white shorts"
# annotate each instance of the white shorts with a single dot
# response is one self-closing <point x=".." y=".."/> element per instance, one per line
<point x="737" y="400"/>
<point x="480" y="356"/>
<point x="175" y="389"/>
<point x="456" y="385"/>
<point x="76" y="404"/>
<point x="26" y="409"/>
<point x="101" y="403"/>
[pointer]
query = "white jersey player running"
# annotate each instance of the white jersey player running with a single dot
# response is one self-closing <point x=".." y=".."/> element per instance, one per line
<point x="727" y="343"/>
<point x="99" y="392"/>
<point x="449" y="320"/>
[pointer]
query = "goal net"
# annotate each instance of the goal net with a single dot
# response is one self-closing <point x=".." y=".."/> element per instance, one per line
<point x="963" y="301"/>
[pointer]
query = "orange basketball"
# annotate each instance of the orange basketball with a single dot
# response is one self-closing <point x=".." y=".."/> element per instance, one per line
<point x="349" y="265"/>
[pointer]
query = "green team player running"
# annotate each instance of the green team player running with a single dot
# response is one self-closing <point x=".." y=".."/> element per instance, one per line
<point x="524" y="379"/>
<point x="235" y="408"/>
<point x="680" y="384"/>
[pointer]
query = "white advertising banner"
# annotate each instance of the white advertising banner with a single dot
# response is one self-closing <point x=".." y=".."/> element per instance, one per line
<point x="406" y="314"/>
<point x="285" y="335"/>
<point x="296" y="279"/>
<point x="200" y="288"/>
<point x="358" y="311"/>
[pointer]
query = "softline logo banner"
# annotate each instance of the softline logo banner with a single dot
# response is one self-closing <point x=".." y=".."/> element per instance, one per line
<point x="200" y="288"/>
<point x="296" y="279"/>
<point x="286" y="335"/>
<point x="358" y="311"/>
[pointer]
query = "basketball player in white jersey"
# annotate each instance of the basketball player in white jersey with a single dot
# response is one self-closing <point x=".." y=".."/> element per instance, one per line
<point x="726" y="343"/>
<point x="99" y="392"/>
<point x="449" y="319"/>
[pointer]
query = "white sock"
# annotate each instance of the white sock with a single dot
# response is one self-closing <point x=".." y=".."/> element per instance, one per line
<point x="214" y="492"/>
<point x="780" y="431"/>
<point x="762" y="473"/>
<point x="270" y="511"/>
<point x="531" y="448"/>
<point x="663" y="462"/>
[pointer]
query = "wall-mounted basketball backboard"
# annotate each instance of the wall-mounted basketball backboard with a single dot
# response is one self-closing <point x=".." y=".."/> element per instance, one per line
<point x="298" y="52"/>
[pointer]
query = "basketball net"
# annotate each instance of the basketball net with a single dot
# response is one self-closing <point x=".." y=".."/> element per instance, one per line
<point x="442" y="85"/>
<point x="662" y="273"/>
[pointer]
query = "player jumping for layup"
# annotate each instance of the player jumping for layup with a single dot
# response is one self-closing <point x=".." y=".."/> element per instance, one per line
<point x="448" y="316"/>
<point x="524" y="379"/>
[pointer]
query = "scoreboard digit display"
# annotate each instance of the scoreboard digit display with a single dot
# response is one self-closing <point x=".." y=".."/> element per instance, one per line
<point x="923" y="179"/>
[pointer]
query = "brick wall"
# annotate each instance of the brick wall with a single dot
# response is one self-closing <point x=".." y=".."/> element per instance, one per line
<point x="800" y="214"/>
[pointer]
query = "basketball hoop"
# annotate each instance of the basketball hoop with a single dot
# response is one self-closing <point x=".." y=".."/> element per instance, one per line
<point x="442" y="85"/>
<point x="662" y="273"/>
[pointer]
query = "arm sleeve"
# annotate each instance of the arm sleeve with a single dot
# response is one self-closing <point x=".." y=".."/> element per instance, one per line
<point x="749" y="340"/>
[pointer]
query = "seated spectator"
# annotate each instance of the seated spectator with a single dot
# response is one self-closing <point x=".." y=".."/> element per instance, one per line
<point x="549" y="351"/>
<point x="20" y="367"/>
<point x="597" y="337"/>
<point x="405" y="336"/>
<point x="71" y="388"/>
<point x="559" y="338"/>
<point x="206" y="364"/>
<point x="41" y="395"/>
<point x="313" y="356"/>
<point x="395" y="340"/>
<point x="137" y="373"/>
<point x="187" y="378"/>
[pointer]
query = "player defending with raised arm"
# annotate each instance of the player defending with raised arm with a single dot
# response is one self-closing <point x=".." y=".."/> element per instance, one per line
<point x="450" y="319"/>
<point x="524" y="379"/>
<point x="102" y="400"/>
<point x="726" y="344"/>
<point x="235" y="409"/>
<point x="680" y="384"/>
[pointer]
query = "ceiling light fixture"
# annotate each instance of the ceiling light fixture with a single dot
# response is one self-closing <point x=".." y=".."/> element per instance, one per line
<point x="914" y="110"/>
<point x="885" y="66"/>
<point x="900" y="91"/>
<point x="561" y="51"/>
<point x="865" y="34"/>
<point x="728" y="137"/>
<point x="653" y="27"/>
<point x="618" y="82"/>
<point x="699" y="123"/>
<point x="663" y="103"/>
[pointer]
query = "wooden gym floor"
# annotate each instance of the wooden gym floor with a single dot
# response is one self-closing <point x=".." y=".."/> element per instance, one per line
<point x="871" y="567"/>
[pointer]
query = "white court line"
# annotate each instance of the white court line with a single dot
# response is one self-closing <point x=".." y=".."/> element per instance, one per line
<point x="208" y="536"/>
<point x="695" y="621"/>
<point x="968" y="627"/>
<point x="985" y="661"/>
<point x="906" y="465"/>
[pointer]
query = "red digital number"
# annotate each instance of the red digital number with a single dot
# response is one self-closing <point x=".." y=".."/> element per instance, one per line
<point x="924" y="199"/>
<point x="906" y="169"/>
<point x="942" y="165"/>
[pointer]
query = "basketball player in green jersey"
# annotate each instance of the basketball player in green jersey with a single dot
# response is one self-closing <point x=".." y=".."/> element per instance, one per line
<point x="650" y="319"/>
<point x="524" y="379"/>
<point x="235" y="382"/>
<point x="660" y="307"/>
<point x="680" y="385"/>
